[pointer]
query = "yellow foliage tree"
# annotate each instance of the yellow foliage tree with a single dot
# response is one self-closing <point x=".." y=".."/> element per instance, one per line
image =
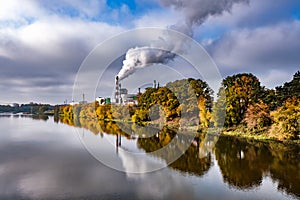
<point x="287" y="120"/>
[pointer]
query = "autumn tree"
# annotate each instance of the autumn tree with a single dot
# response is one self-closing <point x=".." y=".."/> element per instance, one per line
<point x="186" y="98"/>
<point x="156" y="96"/>
<point x="196" y="99"/>
<point x="258" y="117"/>
<point x="287" y="120"/>
<point x="241" y="90"/>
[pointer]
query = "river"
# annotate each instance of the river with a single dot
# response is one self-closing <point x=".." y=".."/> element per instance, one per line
<point x="43" y="158"/>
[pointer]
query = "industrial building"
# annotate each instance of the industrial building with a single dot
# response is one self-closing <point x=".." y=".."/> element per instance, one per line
<point x="103" y="101"/>
<point x="122" y="96"/>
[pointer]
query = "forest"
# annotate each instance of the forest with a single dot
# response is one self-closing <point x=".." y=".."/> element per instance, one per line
<point x="31" y="108"/>
<point x="243" y="107"/>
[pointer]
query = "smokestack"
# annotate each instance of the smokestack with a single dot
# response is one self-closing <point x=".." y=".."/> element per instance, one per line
<point x="154" y="84"/>
<point x="120" y="97"/>
<point x="117" y="90"/>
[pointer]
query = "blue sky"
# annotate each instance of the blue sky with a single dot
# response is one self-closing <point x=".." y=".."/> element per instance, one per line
<point x="43" y="43"/>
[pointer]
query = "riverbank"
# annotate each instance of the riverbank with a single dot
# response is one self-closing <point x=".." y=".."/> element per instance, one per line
<point x="116" y="114"/>
<point x="239" y="133"/>
<point x="264" y="137"/>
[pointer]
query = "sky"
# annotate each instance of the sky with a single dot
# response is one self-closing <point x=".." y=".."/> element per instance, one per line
<point x="44" y="43"/>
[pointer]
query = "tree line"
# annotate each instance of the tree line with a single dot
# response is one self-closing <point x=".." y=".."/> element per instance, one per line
<point x="31" y="108"/>
<point x="252" y="107"/>
<point x="242" y="105"/>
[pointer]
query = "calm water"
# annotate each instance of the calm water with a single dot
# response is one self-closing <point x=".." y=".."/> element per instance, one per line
<point x="43" y="159"/>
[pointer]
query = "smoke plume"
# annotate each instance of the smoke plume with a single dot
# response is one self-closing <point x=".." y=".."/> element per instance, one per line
<point x="194" y="13"/>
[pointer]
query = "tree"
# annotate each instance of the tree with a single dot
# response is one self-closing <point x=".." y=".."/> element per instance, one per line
<point x="287" y="120"/>
<point x="196" y="99"/>
<point x="270" y="98"/>
<point x="257" y="116"/>
<point x="219" y="109"/>
<point x="140" y="116"/>
<point x="241" y="90"/>
<point x="153" y="96"/>
<point x="289" y="89"/>
<point x="204" y="113"/>
<point x="189" y="99"/>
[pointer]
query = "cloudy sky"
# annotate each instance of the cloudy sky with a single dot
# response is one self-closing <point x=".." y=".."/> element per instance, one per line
<point x="43" y="43"/>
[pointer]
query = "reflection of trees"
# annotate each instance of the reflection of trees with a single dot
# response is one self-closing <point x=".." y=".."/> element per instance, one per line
<point x="285" y="168"/>
<point x="240" y="162"/>
<point x="35" y="117"/>
<point x="40" y="117"/>
<point x="189" y="161"/>
<point x="243" y="164"/>
<point x="94" y="125"/>
<point x="156" y="141"/>
<point x="192" y="163"/>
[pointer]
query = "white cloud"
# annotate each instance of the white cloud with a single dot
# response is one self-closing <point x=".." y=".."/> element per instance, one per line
<point x="256" y="13"/>
<point x="274" y="77"/>
<point x="49" y="35"/>
<point x="35" y="43"/>
<point x="158" y="18"/>
<point x="272" y="47"/>
<point x="40" y="39"/>
<point x="19" y="10"/>
<point x="260" y="37"/>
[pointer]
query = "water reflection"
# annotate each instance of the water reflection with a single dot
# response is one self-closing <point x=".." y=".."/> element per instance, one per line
<point x="190" y="160"/>
<point x="243" y="163"/>
<point x="46" y="161"/>
<point x="58" y="167"/>
<point x="196" y="159"/>
<point x="36" y="117"/>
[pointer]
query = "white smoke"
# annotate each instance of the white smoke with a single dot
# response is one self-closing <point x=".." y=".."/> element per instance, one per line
<point x="195" y="12"/>
<point x="140" y="57"/>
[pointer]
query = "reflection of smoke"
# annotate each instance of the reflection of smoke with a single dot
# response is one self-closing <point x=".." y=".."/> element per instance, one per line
<point x="135" y="164"/>
<point x="195" y="12"/>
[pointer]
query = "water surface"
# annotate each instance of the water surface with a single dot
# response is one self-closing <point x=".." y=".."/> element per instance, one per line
<point x="43" y="159"/>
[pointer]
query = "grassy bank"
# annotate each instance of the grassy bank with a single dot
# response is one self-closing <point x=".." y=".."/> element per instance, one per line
<point x="263" y="136"/>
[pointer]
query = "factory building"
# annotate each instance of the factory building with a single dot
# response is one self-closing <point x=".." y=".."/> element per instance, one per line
<point x="122" y="96"/>
<point x="103" y="101"/>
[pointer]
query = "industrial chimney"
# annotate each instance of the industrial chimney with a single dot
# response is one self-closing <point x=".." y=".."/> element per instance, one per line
<point x="120" y="98"/>
<point x="117" y="90"/>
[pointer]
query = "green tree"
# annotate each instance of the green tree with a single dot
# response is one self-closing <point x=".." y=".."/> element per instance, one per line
<point x="270" y="98"/>
<point x="153" y="96"/>
<point x="219" y="109"/>
<point x="241" y="90"/>
<point x="289" y="89"/>
<point x="189" y="99"/>
<point x="196" y="99"/>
